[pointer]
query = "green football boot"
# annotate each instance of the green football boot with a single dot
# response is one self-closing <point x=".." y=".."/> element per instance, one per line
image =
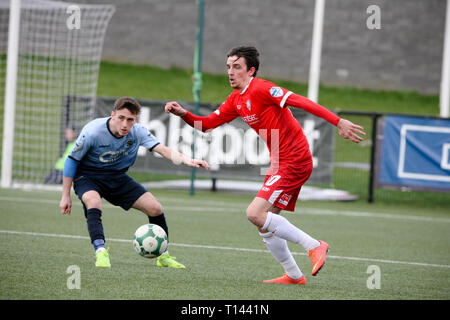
<point x="165" y="260"/>
<point x="102" y="259"/>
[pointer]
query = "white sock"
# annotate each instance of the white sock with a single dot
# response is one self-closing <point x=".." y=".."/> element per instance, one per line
<point x="280" y="251"/>
<point x="282" y="228"/>
<point x="101" y="249"/>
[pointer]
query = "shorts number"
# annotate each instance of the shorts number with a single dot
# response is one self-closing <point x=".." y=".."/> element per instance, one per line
<point x="272" y="180"/>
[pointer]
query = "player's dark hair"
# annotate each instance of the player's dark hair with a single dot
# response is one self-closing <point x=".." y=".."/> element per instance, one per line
<point x="128" y="103"/>
<point x="250" y="54"/>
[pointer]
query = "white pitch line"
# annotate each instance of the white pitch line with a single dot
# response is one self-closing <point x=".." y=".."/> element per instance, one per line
<point x="230" y="208"/>
<point x="420" y="264"/>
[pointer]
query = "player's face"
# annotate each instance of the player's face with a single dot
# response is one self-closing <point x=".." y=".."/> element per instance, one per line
<point x="238" y="75"/>
<point x="121" y="122"/>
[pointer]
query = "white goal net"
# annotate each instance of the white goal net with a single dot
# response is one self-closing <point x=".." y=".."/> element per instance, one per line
<point x="58" y="61"/>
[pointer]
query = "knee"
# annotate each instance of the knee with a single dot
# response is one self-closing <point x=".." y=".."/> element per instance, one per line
<point x="254" y="216"/>
<point x="154" y="208"/>
<point x="92" y="201"/>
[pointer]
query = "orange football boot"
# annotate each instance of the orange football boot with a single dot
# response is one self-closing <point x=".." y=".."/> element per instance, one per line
<point x="285" y="279"/>
<point x="318" y="256"/>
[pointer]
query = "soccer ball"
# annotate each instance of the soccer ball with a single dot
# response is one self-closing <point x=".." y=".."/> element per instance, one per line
<point x="150" y="240"/>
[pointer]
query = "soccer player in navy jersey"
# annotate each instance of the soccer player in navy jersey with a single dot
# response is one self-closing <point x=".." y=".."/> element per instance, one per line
<point x="97" y="165"/>
<point x="263" y="106"/>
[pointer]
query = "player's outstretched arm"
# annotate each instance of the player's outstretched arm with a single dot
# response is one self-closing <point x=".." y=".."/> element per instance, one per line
<point x="177" y="157"/>
<point x="346" y="129"/>
<point x="197" y="122"/>
<point x="349" y="130"/>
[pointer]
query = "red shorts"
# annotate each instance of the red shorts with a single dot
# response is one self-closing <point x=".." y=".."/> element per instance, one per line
<point x="281" y="188"/>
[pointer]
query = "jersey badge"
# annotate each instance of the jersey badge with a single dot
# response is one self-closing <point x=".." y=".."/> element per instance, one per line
<point x="77" y="147"/>
<point x="276" y="92"/>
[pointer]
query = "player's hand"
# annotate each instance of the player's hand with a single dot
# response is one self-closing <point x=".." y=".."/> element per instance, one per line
<point x="65" y="205"/>
<point x="175" y="108"/>
<point x="198" y="163"/>
<point x="349" y="130"/>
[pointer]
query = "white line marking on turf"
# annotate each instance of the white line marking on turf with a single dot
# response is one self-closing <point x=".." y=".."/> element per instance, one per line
<point x="230" y="208"/>
<point x="228" y="248"/>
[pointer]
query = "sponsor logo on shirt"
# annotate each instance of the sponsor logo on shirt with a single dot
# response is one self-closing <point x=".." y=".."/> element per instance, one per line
<point x="249" y="107"/>
<point x="251" y="118"/>
<point x="112" y="156"/>
<point x="276" y="92"/>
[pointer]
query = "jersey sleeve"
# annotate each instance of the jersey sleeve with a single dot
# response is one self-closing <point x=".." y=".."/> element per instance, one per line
<point x="310" y="106"/>
<point x="225" y="113"/>
<point x="283" y="97"/>
<point x="81" y="146"/>
<point x="70" y="168"/>
<point x="274" y="94"/>
<point x="146" y="139"/>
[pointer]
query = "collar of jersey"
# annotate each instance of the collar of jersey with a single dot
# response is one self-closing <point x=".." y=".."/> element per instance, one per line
<point x="245" y="89"/>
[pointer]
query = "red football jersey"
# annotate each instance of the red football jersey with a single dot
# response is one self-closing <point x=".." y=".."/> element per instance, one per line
<point x="262" y="105"/>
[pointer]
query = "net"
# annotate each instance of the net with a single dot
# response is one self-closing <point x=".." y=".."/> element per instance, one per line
<point x="60" y="46"/>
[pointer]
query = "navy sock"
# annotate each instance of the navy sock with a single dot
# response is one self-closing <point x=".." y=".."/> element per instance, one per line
<point x="98" y="243"/>
<point x="160" y="221"/>
<point x="95" y="227"/>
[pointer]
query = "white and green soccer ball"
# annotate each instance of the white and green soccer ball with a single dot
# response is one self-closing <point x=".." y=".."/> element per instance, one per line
<point x="150" y="240"/>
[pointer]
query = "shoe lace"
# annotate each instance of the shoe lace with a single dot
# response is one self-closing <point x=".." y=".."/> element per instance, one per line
<point x="104" y="254"/>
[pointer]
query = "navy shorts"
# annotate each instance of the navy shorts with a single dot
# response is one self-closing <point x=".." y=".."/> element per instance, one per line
<point x="118" y="189"/>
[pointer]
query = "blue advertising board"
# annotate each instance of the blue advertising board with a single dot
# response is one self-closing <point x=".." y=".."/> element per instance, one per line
<point x="414" y="153"/>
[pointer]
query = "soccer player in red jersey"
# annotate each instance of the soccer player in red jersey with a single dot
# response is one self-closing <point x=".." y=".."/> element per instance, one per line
<point x="263" y="106"/>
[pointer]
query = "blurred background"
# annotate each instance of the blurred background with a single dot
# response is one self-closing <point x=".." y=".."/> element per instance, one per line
<point x="404" y="54"/>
